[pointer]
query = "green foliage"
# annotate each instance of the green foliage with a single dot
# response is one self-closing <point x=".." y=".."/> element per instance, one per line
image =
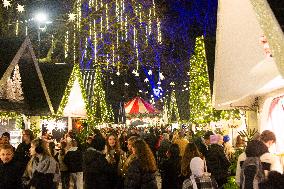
<point x="248" y="134"/>
<point x="36" y="131"/>
<point x="231" y="184"/>
<point x="234" y="160"/>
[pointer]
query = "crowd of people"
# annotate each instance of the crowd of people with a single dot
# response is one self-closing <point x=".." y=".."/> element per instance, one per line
<point x="131" y="158"/>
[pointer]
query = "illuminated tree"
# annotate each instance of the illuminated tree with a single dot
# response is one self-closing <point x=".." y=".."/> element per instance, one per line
<point x="102" y="112"/>
<point x="173" y="111"/>
<point x="200" y="99"/>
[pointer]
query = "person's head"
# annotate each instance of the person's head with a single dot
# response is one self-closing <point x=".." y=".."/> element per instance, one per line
<point x="112" y="142"/>
<point x="6" y="137"/>
<point x="181" y="134"/>
<point x="99" y="143"/>
<point x="144" y="154"/>
<point x="190" y="152"/>
<point x="130" y="142"/>
<point x="89" y="140"/>
<point x="173" y="151"/>
<point x="27" y="136"/>
<point x="39" y="147"/>
<point x="240" y="142"/>
<point x="255" y="148"/>
<point x="197" y="166"/>
<point x="268" y="138"/>
<point x="216" y="139"/>
<point x="166" y="136"/>
<point x="207" y="137"/>
<point x="226" y="138"/>
<point x="73" y="143"/>
<point x="6" y="153"/>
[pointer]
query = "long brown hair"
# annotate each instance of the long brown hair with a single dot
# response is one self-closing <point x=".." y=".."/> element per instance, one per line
<point x="116" y="146"/>
<point x="144" y="155"/>
<point x="190" y="152"/>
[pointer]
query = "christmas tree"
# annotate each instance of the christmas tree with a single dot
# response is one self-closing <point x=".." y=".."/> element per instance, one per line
<point x="173" y="110"/>
<point x="101" y="111"/>
<point x="17" y="84"/>
<point x="200" y="98"/>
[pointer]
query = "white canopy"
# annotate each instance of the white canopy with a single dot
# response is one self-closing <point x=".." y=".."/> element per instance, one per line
<point x="242" y="69"/>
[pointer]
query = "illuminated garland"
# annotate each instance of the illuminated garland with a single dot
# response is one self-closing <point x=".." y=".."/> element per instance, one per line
<point x="13" y="115"/>
<point x="173" y="108"/>
<point x="76" y="73"/>
<point x="101" y="111"/>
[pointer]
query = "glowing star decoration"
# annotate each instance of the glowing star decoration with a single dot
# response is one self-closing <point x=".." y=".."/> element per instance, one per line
<point x="61" y="126"/>
<point x="71" y="17"/>
<point x="159" y="83"/>
<point x="118" y="73"/>
<point x="112" y="83"/>
<point x="126" y="84"/>
<point x="156" y="92"/>
<point x="137" y="74"/>
<point x="146" y="80"/>
<point x="6" y="3"/>
<point x="172" y="83"/>
<point x="150" y="72"/>
<point x="184" y="85"/>
<point x="140" y="91"/>
<point x="20" y="8"/>
<point x="162" y="77"/>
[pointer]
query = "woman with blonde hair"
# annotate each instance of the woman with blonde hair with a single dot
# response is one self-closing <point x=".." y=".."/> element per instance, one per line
<point x="42" y="170"/>
<point x="142" y="169"/>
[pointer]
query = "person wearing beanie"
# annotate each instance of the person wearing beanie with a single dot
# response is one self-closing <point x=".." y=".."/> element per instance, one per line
<point x="199" y="177"/>
<point x="217" y="161"/>
<point x="228" y="148"/>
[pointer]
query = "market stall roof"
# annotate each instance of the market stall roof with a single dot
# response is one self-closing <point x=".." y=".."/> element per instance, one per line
<point x="19" y="52"/>
<point x="243" y="69"/>
<point x="139" y="106"/>
<point x="56" y="77"/>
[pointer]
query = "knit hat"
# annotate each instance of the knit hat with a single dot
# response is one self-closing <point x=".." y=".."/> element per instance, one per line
<point x="197" y="166"/>
<point x="214" y="139"/>
<point x="226" y="138"/>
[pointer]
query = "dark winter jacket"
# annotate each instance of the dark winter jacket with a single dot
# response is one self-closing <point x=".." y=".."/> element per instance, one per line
<point x="96" y="170"/>
<point x="22" y="156"/>
<point x="170" y="171"/>
<point x="135" y="178"/>
<point x="73" y="160"/>
<point x="217" y="162"/>
<point x="10" y="175"/>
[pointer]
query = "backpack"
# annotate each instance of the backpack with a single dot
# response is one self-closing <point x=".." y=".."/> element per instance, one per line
<point x="251" y="173"/>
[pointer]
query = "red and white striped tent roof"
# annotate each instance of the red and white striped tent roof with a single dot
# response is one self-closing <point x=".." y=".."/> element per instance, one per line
<point x="139" y="106"/>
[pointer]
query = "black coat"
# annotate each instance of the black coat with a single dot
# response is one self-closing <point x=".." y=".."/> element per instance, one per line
<point x="10" y="175"/>
<point x="22" y="156"/>
<point x="135" y="178"/>
<point x="217" y="163"/>
<point x="73" y="160"/>
<point x="170" y="171"/>
<point x="96" y="170"/>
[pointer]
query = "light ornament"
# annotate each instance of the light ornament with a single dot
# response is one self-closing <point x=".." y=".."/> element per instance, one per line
<point x="112" y="83"/>
<point x="172" y="84"/>
<point x="140" y="91"/>
<point x="162" y="77"/>
<point x="126" y="84"/>
<point x="150" y="72"/>
<point x="156" y="92"/>
<point x="61" y="126"/>
<point x="118" y="73"/>
<point x="159" y="83"/>
<point x="146" y="80"/>
<point x="71" y="17"/>
<point x="6" y="3"/>
<point x="20" y="8"/>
